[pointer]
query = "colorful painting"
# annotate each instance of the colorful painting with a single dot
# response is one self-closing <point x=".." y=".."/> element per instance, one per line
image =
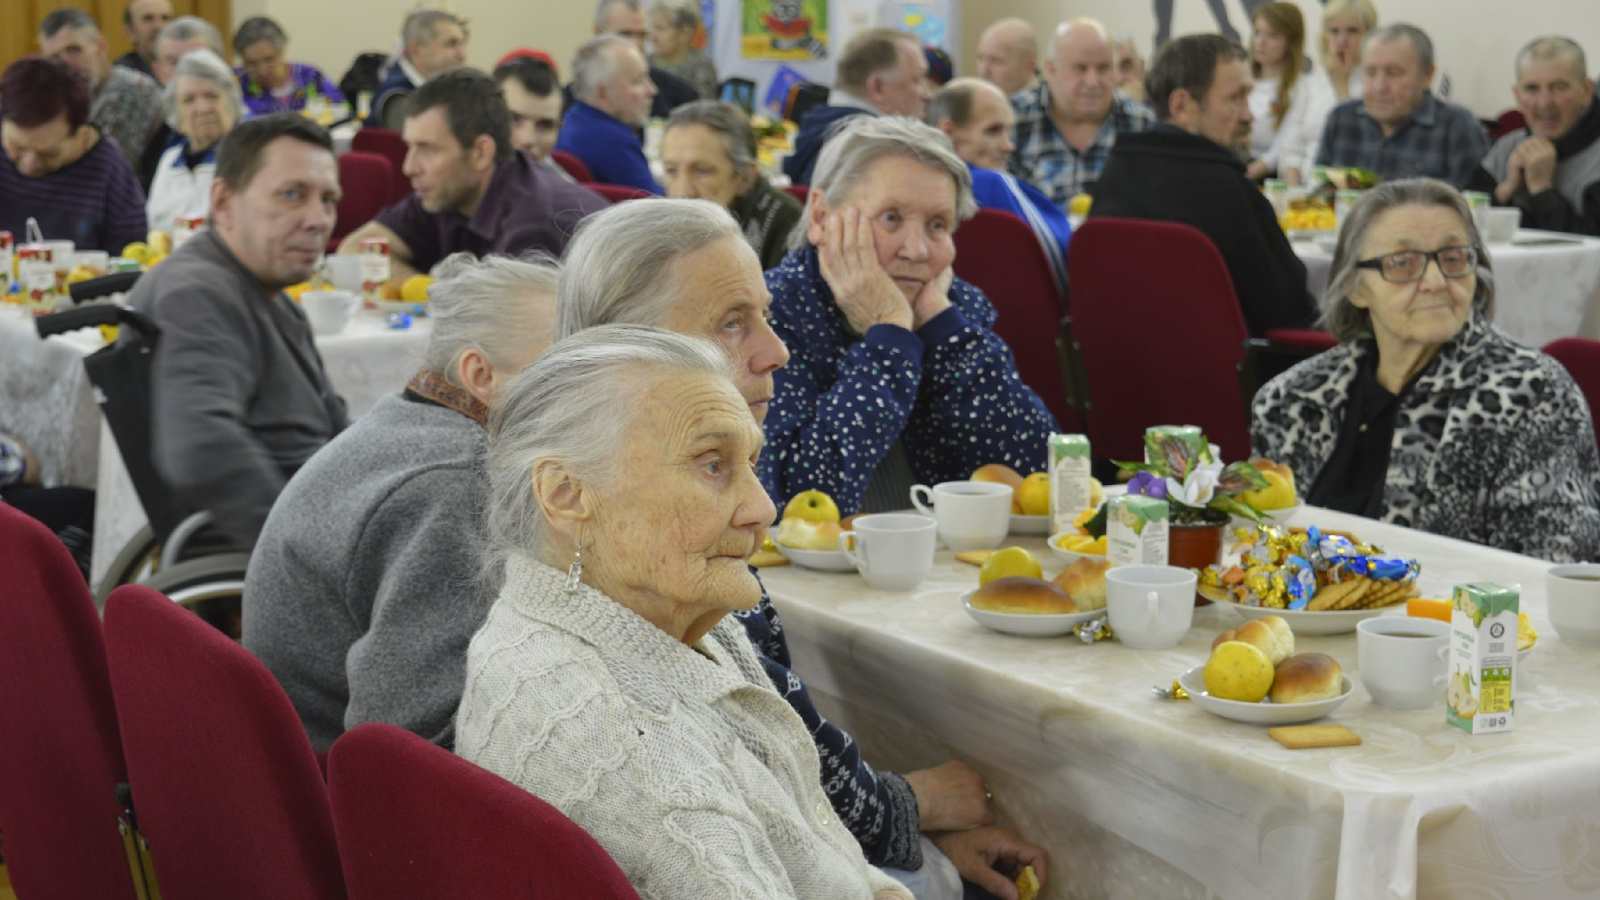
<point x="791" y="30"/>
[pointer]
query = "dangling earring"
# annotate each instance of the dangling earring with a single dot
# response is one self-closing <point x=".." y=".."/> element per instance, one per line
<point x="575" y="571"/>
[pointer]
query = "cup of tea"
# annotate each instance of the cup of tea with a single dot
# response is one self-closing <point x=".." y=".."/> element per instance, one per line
<point x="329" y="311"/>
<point x="1404" y="660"/>
<point x="892" y="551"/>
<point x="1572" y="594"/>
<point x="1150" y="607"/>
<point x="972" y="515"/>
<point x="344" y="271"/>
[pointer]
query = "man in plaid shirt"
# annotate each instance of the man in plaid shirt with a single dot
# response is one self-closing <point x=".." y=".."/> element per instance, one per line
<point x="1398" y="129"/>
<point x="1067" y="123"/>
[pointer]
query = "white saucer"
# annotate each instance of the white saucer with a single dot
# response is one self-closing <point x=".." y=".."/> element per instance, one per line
<point x="820" y="560"/>
<point x="1024" y="625"/>
<point x="1263" y="713"/>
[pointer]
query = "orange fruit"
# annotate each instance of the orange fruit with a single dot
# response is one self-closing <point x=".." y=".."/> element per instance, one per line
<point x="1424" y="608"/>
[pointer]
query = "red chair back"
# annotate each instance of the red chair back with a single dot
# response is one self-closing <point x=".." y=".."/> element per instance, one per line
<point x="800" y="192"/>
<point x="616" y="193"/>
<point x="367" y="182"/>
<point x="574" y="166"/>
<point x="999" y="253"/>
<point x="1581" y="357"/>
<point x="417" y="821"/>
<point x="387" y="143"/>
<point x="1509" y="121"/>
<point x="1157" y="327"/>
<point x="227" y="788"/>
<point x="60" y="754"/>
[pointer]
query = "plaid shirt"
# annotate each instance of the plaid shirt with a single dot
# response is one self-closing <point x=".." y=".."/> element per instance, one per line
<point x="1440" y="140"/>
<point x="1044" y="159"/>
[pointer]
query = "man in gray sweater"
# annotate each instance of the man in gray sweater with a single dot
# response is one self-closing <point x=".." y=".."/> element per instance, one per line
<point x="239" y="398"/>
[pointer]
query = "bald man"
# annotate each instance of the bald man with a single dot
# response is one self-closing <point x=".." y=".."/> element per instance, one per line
<point x="1008" y="55"/>
<point x="1067" y="124"/>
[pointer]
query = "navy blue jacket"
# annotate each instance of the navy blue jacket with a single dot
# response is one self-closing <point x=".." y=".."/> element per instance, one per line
<point x="815" y="127"/>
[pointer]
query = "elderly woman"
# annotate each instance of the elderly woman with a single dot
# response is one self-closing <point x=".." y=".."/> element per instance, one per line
<point x="1426" y="415"/>
<point x="708" y="152"/>
<point x="362" y="588"/>
<point x="270" y="84"/>
<point x="203" y="105"/>
<point x="672" y="27"/>
<point x="896" y="375"/>
<point x="607" y="678"/>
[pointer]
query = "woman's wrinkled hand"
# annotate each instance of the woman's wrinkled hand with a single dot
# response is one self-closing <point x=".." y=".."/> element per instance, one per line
<point x="864" y="291"/>
<point x="981" y="855"/>
<point x="950" y="797"/>
<point x="934" y="298"/>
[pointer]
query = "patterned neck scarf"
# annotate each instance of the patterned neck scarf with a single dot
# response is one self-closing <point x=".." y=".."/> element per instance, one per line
<point x="432" y="386"/>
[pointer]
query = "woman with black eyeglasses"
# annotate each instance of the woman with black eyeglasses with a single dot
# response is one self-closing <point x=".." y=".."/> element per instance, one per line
<point x="1426" y="415"/>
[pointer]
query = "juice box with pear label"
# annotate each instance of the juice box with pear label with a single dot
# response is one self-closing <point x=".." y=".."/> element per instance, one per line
<point x="1483" y="659"/>
<point x="1067" y="456"/>
<point x="1136" y="530"/>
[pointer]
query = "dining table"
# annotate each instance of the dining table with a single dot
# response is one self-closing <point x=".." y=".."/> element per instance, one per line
<point x="1138" y="796"/>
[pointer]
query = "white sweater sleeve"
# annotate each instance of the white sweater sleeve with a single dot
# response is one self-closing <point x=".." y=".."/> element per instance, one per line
<point x="1314" y="98"/>
<point x="1299" y="101"/>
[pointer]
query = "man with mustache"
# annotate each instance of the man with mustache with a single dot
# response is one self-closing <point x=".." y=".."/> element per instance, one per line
<point x="1187" y="169"/>
<point x="1551" y="169"/>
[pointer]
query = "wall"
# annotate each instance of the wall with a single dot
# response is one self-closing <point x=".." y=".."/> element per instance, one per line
<point x="19" y="22"/>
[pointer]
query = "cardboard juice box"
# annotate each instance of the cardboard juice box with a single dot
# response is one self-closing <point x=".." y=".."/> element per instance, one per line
<point x="1068" y="464"/>
<point x="1136" y="531"/>
<point x="1483" y="659"/>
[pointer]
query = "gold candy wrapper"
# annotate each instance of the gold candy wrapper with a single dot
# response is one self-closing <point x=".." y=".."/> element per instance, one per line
<point x="1178" y="693"/>
<point x="1093" y="630"/>
<point x="1283" y="569"/>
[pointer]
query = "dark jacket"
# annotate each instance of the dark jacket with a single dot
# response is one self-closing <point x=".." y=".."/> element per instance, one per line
<point x="815" y="128"/>
<point x="388" y="104"/>
<point x="768" y="216"/>
<point x="1169" y="175"/>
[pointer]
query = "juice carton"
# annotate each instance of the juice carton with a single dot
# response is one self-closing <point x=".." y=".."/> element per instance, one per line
<point x="1136" y="530"/>
<point x="1067" y="460"/>
<point x="1483" y="659"/>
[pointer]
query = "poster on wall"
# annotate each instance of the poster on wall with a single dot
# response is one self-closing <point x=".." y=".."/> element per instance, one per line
<point x="925" y="20"/>
<point x="786" y="30"/>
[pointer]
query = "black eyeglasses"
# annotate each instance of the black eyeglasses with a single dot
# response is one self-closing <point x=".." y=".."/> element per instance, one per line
<point x="1407" y="266"/>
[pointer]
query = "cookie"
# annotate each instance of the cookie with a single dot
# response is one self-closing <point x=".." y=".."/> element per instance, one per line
<point x="1305" y="737"/>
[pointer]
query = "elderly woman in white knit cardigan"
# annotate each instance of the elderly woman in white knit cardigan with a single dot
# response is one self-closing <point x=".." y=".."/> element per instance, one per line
<point x="608" y="678"/>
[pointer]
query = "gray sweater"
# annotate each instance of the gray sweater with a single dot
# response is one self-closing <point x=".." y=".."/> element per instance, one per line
<point x="362" y="594"/>
<point x="233" y="410"/>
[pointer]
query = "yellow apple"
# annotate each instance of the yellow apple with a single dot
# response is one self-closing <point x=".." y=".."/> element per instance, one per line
<point x="1008" y="562"/>
<point x="813" y="506"/>
<point x="1034" y="495"/>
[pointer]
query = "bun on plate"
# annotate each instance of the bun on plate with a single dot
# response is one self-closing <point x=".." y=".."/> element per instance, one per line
<point x="1022" y="595"/>
<point x="1306" y="677"/>
<point x="1085" y="582"/>
<point x="1269" y="634"/>
<point x="804" y="534"/>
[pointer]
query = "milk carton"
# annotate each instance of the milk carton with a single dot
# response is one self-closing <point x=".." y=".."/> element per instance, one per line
<point x="1483" y="659"/>
<point x="1136" y="530"/>
<point x="1067" y="456"/>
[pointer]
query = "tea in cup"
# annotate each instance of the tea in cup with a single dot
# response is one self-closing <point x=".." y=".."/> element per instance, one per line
<point x="344" y="271"/>
<point x="972" y="515"/>
<point x="1150" y="607"/>
<point x="1403" y="660"/>
<point x="892" y="551"/>
<point x="1572" y="594"/>
<point x="329" y="311"/>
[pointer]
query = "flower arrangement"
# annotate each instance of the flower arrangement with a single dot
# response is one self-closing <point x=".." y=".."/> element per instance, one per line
<point x="1184" y="470"/>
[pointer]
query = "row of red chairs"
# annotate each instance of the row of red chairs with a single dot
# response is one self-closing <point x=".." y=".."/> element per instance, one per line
<point x="227" y="798"/>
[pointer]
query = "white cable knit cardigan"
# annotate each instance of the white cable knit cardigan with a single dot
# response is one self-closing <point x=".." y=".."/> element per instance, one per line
<point x="682" y="762"/>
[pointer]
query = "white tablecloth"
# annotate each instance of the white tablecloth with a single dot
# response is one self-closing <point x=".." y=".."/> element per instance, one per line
<point x="1137" y="797"/>
<point x="46" y="400"/>
<point x="1541" y="292"/>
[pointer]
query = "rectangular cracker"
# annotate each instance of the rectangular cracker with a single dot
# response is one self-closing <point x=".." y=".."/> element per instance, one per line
<point x="1304" y="737"/>
<point x="976" y="557"/>
<point x="1332" y="596"/>
<point x="1383" y="593"/>
<point x="1364" y="587"/>
<point x="764" y="558"/>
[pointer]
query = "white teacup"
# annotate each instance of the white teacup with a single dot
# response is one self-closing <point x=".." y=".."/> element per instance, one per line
<point x="1572" y="593"/>
<point x="1501" y="223"/>
<point x="1403" y="660"/>
<point x="329" y="311"/>
<point x="892" y="551"/>
<point x="344" y="271"/>
<point x="1150" y="607"/>
<point x="972" y="515"/>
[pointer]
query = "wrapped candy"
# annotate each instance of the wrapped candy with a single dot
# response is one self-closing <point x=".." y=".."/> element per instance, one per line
<point x="399" y="321"/>
<point x="1281" y="569"/>
<point x="1097" y="629"/>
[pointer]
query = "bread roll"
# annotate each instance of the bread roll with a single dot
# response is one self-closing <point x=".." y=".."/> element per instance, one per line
<point x="1306" y="677"/>
<point x="1269" y="634"/>
<point x="804" y="534"/>
<point x="1023" y="595"/>
<point x="1085" y="582"/>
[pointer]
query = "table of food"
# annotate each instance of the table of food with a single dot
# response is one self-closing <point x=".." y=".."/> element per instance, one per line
<point x="1364" y="711"/>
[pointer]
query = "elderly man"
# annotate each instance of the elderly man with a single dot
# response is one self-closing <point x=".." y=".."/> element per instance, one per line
<point x="1187" y="169"/>
<point x="533" y="97"/>
<point x="143" y="20"/>
<point x="1128" y="66"/>
<point x="626" y="18"/>
<point x="612" y="90"/>
<point x="471" y="191"/>
<point x="1067" y="125"/>
<point x="1008" y="55"/>
<point x="978" y="120"/>
<point x="127" y="105"/>
<point x="239" y="397"/>
<point x="1551" y="169"/>
<point x="881" y="72"/>
<point x="1398" y="129"/>
<point x="56" y="168"/>
<point x="434" y="41"/>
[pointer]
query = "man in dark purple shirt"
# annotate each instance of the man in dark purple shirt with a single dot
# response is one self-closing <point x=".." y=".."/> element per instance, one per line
<point x="470" y="190"/>
<point x="56" y="168"/>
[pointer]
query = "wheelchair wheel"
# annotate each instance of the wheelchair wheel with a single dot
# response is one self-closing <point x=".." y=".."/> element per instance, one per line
<point x="138" y="560"/>
<point x="210" y="586"/>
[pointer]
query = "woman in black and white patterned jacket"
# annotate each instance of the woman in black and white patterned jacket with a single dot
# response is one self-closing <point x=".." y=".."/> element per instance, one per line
<point x="1426" y="415"/>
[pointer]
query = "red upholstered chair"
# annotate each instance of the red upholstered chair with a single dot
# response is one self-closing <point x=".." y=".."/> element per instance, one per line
<point x="417" y="821"/>
<point x="999" y="253"/>
<point x="228" y="791"/>
<point x="1305" y="340"/>
<point x="389" y="144"/>
<point x="573" y="165"/>
<point x="367" y="182"/>
<point x="1157" y="330"/>
<point x="60" y="754"/>
<point x="800" y="192"/>
<point x="1508" y="121"/>
<point x="1581" y="356"/>
<point x="616" y="193"/>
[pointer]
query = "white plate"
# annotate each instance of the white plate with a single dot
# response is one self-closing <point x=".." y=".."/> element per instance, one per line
<point x="1021" y="524"/>
<point x="1306" y="622"/>
<point x="820" y="560"/>
<point x="1068" y="555"/>
<point x="394" y="306"/>
<point x="1026" y="625"/>
<point x="1194" y="682"/>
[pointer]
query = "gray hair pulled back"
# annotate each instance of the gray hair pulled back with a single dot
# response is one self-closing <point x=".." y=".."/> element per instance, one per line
<point x="487" y="305"/>
<point x="203" y="65"/>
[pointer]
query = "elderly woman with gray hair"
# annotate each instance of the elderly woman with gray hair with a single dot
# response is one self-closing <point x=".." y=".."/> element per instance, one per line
<point x="896" y="375"/>
<point x="271" y="83"/>
<point x="608" y="678"/>
<point x="203" y="105"/>
<point x="363" y="590"/>
<point x="1426" y="415"/>
<point x="673" y="24"/>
